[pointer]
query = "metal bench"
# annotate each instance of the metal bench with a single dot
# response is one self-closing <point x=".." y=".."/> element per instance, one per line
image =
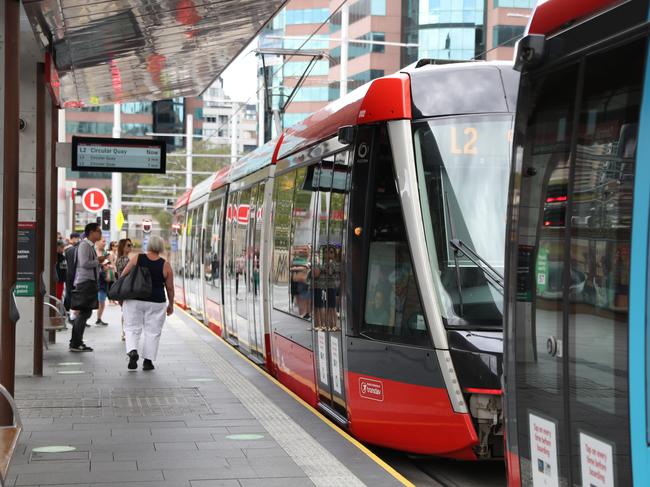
<point x="8" y="436"/>
<point x="54" y="321"/>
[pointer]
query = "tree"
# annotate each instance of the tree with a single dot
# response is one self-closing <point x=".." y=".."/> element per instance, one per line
<point x="135" y="183"/>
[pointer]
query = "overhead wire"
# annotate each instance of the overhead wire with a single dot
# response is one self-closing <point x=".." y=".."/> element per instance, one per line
<point x="290" y="56"/>
<point x="298" y="49"/>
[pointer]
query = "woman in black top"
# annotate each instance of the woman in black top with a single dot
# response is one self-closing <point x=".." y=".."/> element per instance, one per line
<point x="147" y="315"/>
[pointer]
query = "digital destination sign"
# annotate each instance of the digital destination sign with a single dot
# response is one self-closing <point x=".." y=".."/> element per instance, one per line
<point x="118" y="155"/>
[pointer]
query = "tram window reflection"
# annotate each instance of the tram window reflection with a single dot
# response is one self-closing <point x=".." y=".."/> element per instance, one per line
<point x="302" y="218"/>
<point x="283" y="199"/>
<point x="393" y="309"/>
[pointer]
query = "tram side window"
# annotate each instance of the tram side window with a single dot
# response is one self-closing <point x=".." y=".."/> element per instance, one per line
<point x="283" y="201"/>
<point x="393" y="309"/>
<point x="178" y="227"/>
<point x="601" y="221"/>
<point x="196" y="243"/>
<point x="212" y="245"/>
<point x="300" y="251"/>
<point x="189" y="256"/>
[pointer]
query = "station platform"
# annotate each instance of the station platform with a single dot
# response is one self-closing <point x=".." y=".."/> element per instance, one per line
<point x="205" y="417"/>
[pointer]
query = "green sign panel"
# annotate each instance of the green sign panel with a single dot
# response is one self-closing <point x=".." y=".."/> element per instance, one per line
<point x="542" y="270"/>
<point x="26" y="264"/>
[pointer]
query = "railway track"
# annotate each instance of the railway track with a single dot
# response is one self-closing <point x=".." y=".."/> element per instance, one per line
<point x="441" y="472"/>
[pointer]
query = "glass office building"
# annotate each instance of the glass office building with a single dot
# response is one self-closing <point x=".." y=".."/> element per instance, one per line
<point x="452" y="30"/>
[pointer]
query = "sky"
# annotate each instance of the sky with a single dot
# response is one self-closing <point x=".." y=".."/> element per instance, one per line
<point x="240" y="78"/>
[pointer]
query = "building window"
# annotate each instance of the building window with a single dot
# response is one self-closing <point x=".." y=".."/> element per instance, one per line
<point x="136" y="129"/>
<point x="358" y="11"/>
<point x="506" y="35"/>
<point x="364" y="77"/>
<point x="136" y="107"/>
<point x="515" y="3"/>
<point x="89" y="128"/>
<point x="457" y="43"/>
<point x="365" y="8"/>
<point x="312" y="93"/>
<point x="307" y="16"/>
<point x="310" y="44"/>
<point x="356" y="50"/>
<point x="378" y="7"/>
<point x="290" y="119"/>
<point x="319" y="68"/>
<point x="354" y="81"/>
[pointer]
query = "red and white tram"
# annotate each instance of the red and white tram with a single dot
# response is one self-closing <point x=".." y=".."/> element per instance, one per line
<point x="359" y="257"/>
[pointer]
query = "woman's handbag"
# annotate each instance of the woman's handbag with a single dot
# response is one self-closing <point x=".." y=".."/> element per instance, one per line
<point x="135" y="285"/>
<point x="84" y="296"/>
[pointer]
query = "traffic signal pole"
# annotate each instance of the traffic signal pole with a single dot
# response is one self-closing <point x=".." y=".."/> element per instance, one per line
<point x="116" y="178"/>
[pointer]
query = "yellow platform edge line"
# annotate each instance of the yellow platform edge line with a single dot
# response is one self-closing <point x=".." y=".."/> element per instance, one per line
<point x="394" y="473"/>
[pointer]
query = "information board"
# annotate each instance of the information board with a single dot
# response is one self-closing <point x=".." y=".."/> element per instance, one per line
<point x="26" y="264"/>
<point x="118" y="155"/>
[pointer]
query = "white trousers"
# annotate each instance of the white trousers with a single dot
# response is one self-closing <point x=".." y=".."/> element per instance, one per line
<point x="139" y="317"/>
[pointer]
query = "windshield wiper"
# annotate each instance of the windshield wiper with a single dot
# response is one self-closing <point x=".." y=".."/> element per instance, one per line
<point x="490" y="272"/>
<point x="458" y="283"/>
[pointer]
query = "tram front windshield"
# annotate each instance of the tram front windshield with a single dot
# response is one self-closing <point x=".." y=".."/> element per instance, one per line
<point x="463" y="166"/>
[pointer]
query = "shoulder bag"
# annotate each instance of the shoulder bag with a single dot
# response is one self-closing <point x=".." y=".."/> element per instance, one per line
<point x="135" y="285"/>
<point x="84" y="296"/>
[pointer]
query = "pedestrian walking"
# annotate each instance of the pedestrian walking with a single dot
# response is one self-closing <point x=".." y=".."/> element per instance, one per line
<point x="70" y="254"/>
<point x="83" y="297"/>
<point x="124" y="248"/>
<point x="147" y="315"/>
<point x="102" y="281"/>
<point x="111" y="271"/>
<point x="61" y="269"/>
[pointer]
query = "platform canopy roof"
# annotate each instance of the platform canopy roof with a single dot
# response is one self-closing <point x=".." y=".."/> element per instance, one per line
<point x="107" y="51"/>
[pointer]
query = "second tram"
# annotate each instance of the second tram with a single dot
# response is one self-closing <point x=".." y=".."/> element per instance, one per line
<point x="577" y="260"/>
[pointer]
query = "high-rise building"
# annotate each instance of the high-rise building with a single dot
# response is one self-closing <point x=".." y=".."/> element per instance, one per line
<point x="446" y="30"/>
<point x="369" y="21"/>
<point x="299" y="20"/>
<point x="506" y="21"/>
<point x="378" y="32"/>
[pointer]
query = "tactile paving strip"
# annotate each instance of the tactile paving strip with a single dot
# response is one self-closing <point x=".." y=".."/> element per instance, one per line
<point x="164" y="401"/>
<point x="59" y="404"/>
<point x="323" y="468"/>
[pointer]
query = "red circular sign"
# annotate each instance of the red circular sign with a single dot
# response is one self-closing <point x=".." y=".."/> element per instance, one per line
<point x="94" y="200"/>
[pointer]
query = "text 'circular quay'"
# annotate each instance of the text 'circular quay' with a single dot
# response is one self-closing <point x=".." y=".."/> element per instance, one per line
<point x="290" y="243"/>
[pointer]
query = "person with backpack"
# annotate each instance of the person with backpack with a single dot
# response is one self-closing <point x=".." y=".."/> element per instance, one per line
<point x="70" y="255"/>
<point x="83" y="297"/>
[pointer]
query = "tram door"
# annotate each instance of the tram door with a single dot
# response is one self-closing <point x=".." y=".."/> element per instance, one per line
<point x="253" y="297"/>
<point x="570" y="314"/>
<point x="194" y="297"/>
<point x="228" y="272"/>
<point x="330" y="179"/>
